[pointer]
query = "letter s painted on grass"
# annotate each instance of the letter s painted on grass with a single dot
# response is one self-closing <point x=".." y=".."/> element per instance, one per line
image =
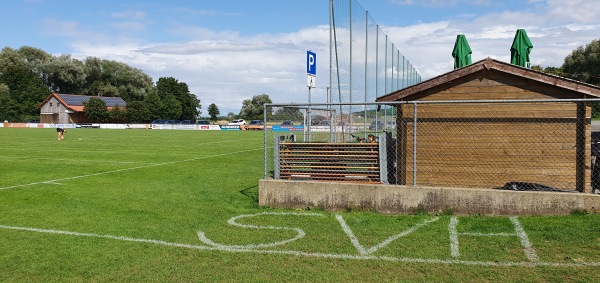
<point x="299" y="232"/>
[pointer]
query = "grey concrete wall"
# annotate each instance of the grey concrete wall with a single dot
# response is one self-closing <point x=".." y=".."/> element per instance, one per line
<point x="392" y="199"/>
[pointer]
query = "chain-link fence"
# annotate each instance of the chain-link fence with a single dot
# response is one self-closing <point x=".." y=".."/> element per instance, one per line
<point x="515" y="145"/>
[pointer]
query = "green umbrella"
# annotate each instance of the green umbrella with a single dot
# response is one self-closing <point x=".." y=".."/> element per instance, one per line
<point x="520" y="49"/>
<point x="461" y="52"/>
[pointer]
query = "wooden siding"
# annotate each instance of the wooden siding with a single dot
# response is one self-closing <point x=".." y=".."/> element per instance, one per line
<point x="488" y="145"/>
<point x="54" y="112"/>
<point x="347" y="162"/>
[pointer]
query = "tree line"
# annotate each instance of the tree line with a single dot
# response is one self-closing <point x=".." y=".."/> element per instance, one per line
<point x="28" y="75"/>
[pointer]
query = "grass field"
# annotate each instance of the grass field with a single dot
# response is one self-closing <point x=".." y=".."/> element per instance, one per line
<point x="181" y="206"/>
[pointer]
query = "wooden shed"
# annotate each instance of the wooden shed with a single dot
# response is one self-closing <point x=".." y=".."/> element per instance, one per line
<point x="485" y="143"/>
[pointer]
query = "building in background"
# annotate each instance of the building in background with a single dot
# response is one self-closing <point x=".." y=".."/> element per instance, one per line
<point x="68" y="108"/>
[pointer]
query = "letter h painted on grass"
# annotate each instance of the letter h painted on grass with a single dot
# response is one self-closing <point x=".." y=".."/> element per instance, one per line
<point x="519" y="232"/>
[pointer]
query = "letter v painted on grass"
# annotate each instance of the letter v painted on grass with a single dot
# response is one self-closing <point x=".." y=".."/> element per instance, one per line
<point x="364" y="251"/>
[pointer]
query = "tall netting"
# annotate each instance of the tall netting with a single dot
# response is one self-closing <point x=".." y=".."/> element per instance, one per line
<point x="365" y="64"/>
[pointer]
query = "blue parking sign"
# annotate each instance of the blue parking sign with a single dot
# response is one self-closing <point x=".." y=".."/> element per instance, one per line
<point x="311" y="63"/>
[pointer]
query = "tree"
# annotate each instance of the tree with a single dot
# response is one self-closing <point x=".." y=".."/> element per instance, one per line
<point x="24" y="89"/>
<point x="213" y="111"/>
<point x="95" y="110"/>
<point x="154" y="105"/>
<point x="172" y="107"/>
<point x="583" y="63"/>
<point x="34" y="56"/>
<point x="112" y="78"/>
<point x="188" y="103"/>
<point x="117" y="114"/>
<point x="253" y="109"/>
<point x="288" y="113"/>
<point x="64" y="74"/>
<point x="231" y="116"/>
<point x="137" y="112"/>
<point x="8" y="107"/>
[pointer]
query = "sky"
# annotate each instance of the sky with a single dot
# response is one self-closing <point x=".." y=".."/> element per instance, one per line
<point x="230" y="50"/>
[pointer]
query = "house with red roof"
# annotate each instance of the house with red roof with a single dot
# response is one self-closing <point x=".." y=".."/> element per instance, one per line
<point x="61" y="108"/>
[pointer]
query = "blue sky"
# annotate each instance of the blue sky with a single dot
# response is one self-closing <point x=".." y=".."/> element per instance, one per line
<point x="230" y="50"/>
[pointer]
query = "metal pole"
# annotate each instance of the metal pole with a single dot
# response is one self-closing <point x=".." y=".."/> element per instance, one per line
<point x="392" y="81"/>
<point x="308" y="120"/>
<point x="385" y="65"/>
<point x="331" y="122"/>
<point x="350" y="82"/>
<point x="276" y="158"/>
<point x="376" y="72"/>
<point x="404" y="72"/>
<point x="265" y="142"/>
<point x="384" y="119"/>
<point x="377" y="64"/>
<point x="398" y="76"/>
<point x="366" y="69"/>
<point x="337" y="67"/>
<point x="415" y="145"/>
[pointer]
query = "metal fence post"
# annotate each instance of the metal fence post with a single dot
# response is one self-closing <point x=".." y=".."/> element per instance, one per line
<point x="415" y="144"/>
<point x="383" y="159"/>
<point x="265" y="139"/>
<point x="276" y="168"/>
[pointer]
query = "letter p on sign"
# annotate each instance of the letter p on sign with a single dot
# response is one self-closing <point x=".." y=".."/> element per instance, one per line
<point x="311" y="63"/>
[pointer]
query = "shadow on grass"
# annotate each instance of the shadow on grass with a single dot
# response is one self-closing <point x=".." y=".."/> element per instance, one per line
<point x="251" y="192"/>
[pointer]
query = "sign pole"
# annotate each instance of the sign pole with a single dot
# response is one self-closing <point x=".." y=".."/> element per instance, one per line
<point x="311" y="71"/>
<point x="308" y="120"/>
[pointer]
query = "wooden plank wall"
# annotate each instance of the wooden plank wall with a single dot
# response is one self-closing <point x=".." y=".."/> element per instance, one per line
<point x="347" y="162"/>
<point x="488" y="145"/>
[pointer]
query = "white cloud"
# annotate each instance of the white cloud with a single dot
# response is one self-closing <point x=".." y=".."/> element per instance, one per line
<point x="227" y="71"/>
<point x="555" y="30"/>
<point x="583" y="11"/>
<point x="225" y="67"/>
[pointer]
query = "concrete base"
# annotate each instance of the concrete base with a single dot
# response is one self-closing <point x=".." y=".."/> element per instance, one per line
<point x="394" y="199"/>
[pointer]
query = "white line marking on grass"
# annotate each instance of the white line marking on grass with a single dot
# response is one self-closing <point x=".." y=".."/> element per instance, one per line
<point x="72" y="159"/>
<point x="361" y="249"/>
<point x="306" y="254"/>
<point x="299" y="232"/>
<point x="529" y="251"/>
<point x="126" y="169"/>
<point x="488" y="234"/>
<point x="454" y="252"/>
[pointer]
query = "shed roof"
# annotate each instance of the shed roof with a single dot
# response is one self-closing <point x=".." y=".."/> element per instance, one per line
<point x="76" y="102"/>
<point x="492" y="64"/>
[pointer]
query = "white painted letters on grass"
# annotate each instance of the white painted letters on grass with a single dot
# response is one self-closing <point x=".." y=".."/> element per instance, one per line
<point x="519" y="232"/>
<point x="364" y="251"/>
<point x="299" y="232"/>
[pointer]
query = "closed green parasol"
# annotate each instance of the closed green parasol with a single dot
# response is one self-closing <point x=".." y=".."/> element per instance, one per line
<point x="520" y="49"/>
<point x="461" y="52"/>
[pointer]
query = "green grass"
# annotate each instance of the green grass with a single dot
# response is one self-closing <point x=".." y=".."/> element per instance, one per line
<point x="168" y="185"/>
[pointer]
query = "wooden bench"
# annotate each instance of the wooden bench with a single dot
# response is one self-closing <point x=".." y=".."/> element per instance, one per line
<point x="347" y="162"/>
